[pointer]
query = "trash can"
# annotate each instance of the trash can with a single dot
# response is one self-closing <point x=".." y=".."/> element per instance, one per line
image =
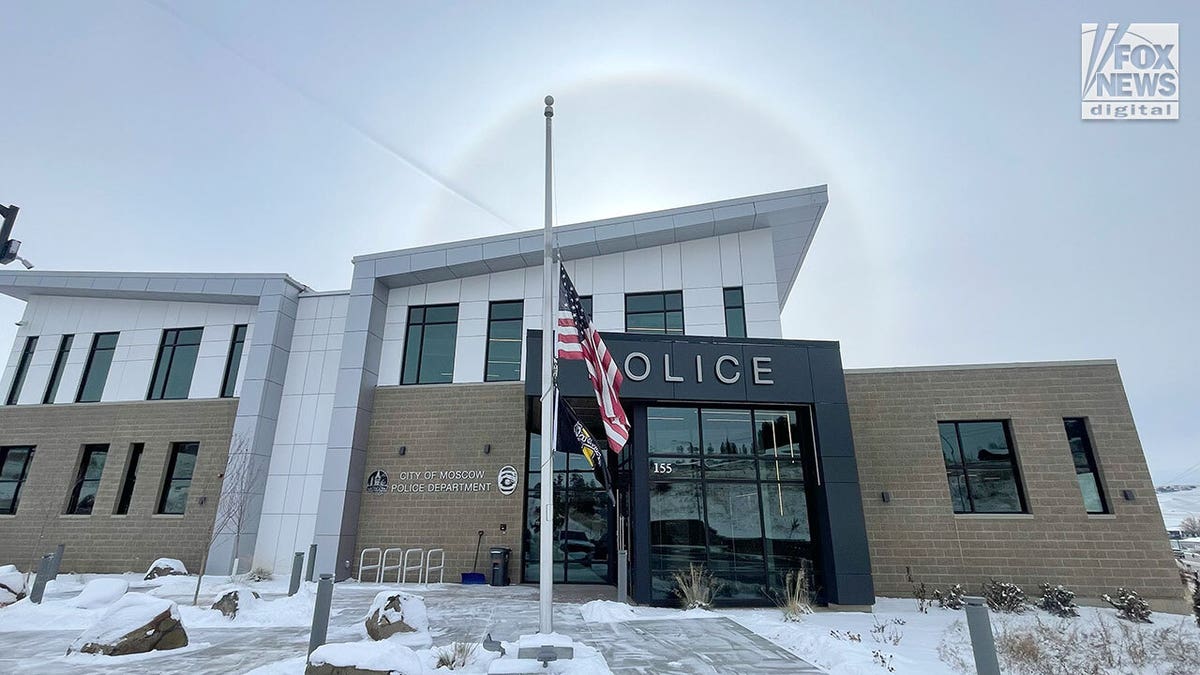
<point x="500" y="565"/>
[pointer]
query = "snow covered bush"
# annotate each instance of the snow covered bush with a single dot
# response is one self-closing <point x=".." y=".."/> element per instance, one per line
<point x="456" y="656"/>
<point x="696" y="587"/>
<point x="12" y="585"/>
<point x="797" y="598"/>
<point x="259" y="574"/>
<point x="1094" y="646"/>
<point x="889" y="631"/>
<point x="1003" y="596"/>
<point x="1058" y="601"/>
<point x="1129" y="605"/>
<point x="951" y="599"/>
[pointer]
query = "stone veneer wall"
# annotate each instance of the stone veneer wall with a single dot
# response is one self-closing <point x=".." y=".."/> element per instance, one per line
<point x="894" y="414"/>
<point x="104" y="542"/>
<point x="445" y="428"/>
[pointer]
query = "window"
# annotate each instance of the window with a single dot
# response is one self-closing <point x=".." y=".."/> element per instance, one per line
<point x="505" y="320"/>
<point x="87" y="481"/>
<point x="95" y="372"/>
<point x="14" y="467"/>
<point x="660" y="313"/>
<point x="981" y="467"/>
<point x="135" y="456"/>
<point x="234" y="362"/>
<point x="429" y="345"/>
<point x="735" y="313"/>
<point x="176" y="363"/>
<point x="178" y="478"/>
<point x="1086" y="471"/>
<point x="14" y="392"/>
<point x="586" y="302"/>
<point x="60" y="362"/>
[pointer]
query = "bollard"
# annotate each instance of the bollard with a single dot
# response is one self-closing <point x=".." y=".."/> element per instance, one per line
<point x="297" y="568"/>
<point x="622" y="576"/>
<point x="320" y="621"/>
<point x="312" y="562"/>
<point x="982" y="642"/>
<point x="58" y="556"/>
<point x="43" y="576"/>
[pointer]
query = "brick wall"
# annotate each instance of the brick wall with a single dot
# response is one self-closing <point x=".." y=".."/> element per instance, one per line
<point x="445" y="428"/>
<point x="102" y="541"/>
<point x="894" y="415"/>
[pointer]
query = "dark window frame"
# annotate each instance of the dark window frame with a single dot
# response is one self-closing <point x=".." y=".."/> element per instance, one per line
<point x="129" y="478"/>
<point x="74" y="503"/>
<point x="492" y="320"/>
<point x="585" y="301"/>
<point x="1014" y="460"/>
<point x="56" y="371"/>
<point x="174" y="334"/>
<point x="739" y="307"/>
<point x="233" y="360"/>
<point x="84" y="380"/>
<point x="1089" y="451"/>
<point x="423" y="322"/>
<point x="169" y="478"/>
<point x="665" y="312"/>
<point x="18" y="381"/>
<point x="21" y="478"/>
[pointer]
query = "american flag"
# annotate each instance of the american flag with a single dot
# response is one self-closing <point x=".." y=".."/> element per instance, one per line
<point x="577" y="339"/>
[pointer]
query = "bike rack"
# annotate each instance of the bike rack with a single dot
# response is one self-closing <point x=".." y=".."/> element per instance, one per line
<point x="385" y="568"/>
<point x="440" y="567"/>
<point x="412" y="568"/>
<point x="378" y="566"/>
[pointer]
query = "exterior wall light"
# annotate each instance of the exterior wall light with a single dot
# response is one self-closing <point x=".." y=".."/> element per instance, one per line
<point x="403" y="449"/>
<point x="1127" y="494"/>
<point x="487" y="448"/>
<point x="885" y="496"/>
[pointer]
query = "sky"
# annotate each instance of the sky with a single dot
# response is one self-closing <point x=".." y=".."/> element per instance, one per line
<point x="973" y="217"/>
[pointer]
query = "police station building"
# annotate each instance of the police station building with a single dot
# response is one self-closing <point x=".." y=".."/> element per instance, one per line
<point x="403" y="413"/>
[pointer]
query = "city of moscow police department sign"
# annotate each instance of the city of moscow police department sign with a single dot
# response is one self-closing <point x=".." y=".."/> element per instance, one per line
<point x="434" y="482"/>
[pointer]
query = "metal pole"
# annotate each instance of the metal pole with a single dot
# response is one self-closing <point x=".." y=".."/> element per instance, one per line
<point x="43" y="576"/>
<point x="982" y="642"/>
<point x="320" y="621"/>
<point x="549" y="277"/>
<point x="58" y="556"/>
<point x="297" y="568"/>
<point x="312" y="562"/>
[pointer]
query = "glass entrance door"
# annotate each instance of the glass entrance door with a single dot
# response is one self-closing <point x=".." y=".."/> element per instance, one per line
<point x="727" y="490"/>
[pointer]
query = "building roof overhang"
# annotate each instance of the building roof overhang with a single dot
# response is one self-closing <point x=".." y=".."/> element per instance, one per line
<point x="791" y="216"/>
<point x="242" y="289"/>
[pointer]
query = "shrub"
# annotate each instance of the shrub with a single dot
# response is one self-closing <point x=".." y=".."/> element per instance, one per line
<point x="883" y="660"/>
<point x="696" y="587"/>
<point x="1196" y="596"/>
<point x="1129" y="605"/>
<point x="1058" y="601"/>
<point x="921" y="595"/>
<point x="259" y="574"/>
<point x="951" y="599"/>
<point x="1091" y="647"/>
<point x="889" y="631"/>
<point x="797" y="598"/>
<point x="456" y="655"/>
<point x="1003" y="596"/>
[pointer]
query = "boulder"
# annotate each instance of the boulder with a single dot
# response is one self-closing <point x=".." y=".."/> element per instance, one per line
<point x="99" y="593"/>
<point x="135" y="624"/>
<point x="165" y="567"/>
<point x="363" y="658"/>
<point x="395" y="612"/>
<point x="12" y="585"/>
<point x="230" y="601"/>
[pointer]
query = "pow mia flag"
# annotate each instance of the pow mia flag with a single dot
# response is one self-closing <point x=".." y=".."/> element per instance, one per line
<point x="574" y="438"/>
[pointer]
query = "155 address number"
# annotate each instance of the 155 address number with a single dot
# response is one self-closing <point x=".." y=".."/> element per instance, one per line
<point x="661" y="467"/>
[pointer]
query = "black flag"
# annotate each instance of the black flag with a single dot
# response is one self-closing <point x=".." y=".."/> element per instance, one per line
<point x="574" y="437"/>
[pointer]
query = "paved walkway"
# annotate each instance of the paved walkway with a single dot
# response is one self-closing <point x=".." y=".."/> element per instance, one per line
<point x="462" y="613"/>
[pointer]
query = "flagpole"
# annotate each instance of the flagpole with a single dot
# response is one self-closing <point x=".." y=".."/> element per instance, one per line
<point x="549" y="319"/>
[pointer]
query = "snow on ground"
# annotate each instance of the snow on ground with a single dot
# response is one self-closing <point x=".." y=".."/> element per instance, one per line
<point x="269" y="637"/>
<point x="1179" y="504"/>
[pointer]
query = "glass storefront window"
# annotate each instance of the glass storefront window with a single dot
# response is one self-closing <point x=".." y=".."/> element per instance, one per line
<point x="727" y="432"/>
<point x="673" y="431"/>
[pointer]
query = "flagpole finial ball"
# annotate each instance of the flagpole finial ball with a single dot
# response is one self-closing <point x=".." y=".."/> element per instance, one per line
<point x="549" y="100"/>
